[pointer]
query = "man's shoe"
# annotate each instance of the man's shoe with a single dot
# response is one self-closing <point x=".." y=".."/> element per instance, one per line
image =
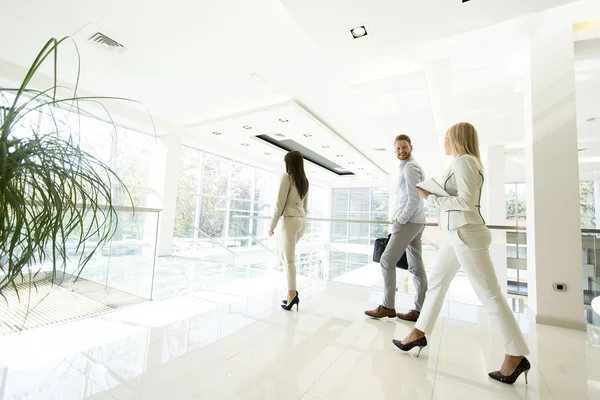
<point x="412" y="315"/>
<point x="381" y="312"/>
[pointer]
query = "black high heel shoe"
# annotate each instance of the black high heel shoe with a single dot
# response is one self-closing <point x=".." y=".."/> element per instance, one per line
<point x="295" y="300"/>
<point x="285" y="300"/>
<point x="523" y="366"/>
<point x="420" y="343"/>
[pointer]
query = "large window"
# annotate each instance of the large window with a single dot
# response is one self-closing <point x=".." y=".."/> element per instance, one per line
<point x="516" y="199"/>
<point x="516" y="204"/>
<point x="359" y="204"/>
<point x="214" y="195"/>
<point x="588" y="206"/>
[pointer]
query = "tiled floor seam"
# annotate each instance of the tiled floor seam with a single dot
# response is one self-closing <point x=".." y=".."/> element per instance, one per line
<point x="442" y="321"/>
<point x="334" y="361"/>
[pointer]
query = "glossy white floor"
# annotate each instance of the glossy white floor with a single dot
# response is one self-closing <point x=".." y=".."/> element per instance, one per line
<point x="213" y="345"/>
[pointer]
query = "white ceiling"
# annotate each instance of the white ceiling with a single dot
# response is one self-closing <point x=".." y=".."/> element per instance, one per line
<point x="424" y="65"/>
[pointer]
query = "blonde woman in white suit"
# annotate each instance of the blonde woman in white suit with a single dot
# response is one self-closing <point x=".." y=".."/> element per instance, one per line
<point x="466" y="244"/>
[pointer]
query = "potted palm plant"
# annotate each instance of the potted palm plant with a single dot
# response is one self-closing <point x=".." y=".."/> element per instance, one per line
<point x="57" y="199"/>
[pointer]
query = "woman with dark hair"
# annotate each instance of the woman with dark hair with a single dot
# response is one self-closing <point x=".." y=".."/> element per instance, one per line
<point x="292" y="205"/>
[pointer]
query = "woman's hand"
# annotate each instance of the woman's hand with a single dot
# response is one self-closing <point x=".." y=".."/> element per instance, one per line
<point x="424" y="193"/>
<point x="271" y="233"/>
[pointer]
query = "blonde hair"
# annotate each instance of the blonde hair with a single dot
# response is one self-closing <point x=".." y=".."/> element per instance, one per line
<point x="464" y="140"/>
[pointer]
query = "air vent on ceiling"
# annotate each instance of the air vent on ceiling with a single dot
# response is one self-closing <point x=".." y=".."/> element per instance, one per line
<point x="101" y="39"/>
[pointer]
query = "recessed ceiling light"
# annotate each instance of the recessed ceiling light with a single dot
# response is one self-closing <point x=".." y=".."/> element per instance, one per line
<point x="350" y="162"/>
<point x="216" y="133"/>
<point x="307" y="135"/>
<point x="325" y="146"/>
<point x="358" y="32"/>
<point x="360" y="169"/>
<point x="380" y="149"/>
<point x="283" y="120"/>
<point x="267" y="154"/>
<point x="245" y="144"/>
<point x="339" y="155"/>
<point x="247" y="127"/>
<point x="368" y="173"/>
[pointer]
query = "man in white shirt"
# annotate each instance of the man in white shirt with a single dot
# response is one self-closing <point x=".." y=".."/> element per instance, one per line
<point x="408" y="224"/>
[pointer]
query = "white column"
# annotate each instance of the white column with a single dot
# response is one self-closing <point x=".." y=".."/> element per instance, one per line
<point x="168" y="193"/>
<point x="437" y="77"/>
<point x="326" y="226"/>
<point x="597" y="201"/>
<point x="494" y="209"/>
<point x="553" y="216"/>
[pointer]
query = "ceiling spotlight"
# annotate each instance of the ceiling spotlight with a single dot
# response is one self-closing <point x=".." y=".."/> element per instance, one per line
<point x="247" y="127"/>
<point x="283" y="120"/>
<point x="339" y="155"/>
<point x="245" y="144"/>
<point x="216" y="133"/>
<point x="359" y="32"/>
<point x="360" y="169"/>
<point x="307" y="135"/>
<point x="380" y="149"/>
<point x="350" y="162"/>
<point x="368" y="173"/>
<point x="267" y="154"/>
<point x="325" y="146"/>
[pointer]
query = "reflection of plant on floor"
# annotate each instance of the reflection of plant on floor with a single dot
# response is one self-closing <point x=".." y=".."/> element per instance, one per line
<point x="57" y="200"/>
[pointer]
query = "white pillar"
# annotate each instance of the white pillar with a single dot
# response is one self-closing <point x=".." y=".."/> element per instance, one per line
<point x="168" y="193"/>
<point x="494" y="209"/>
<point x="553" y="215"/>
<point x="437" y="77"/>
<point x="326" y="232"/>
<point x="597" y="201"/>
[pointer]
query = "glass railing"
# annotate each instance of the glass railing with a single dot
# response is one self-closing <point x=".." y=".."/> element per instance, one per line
<point x="121" y="272"/>
<point x="211" y="258"/>
<point x="341" y="251"/>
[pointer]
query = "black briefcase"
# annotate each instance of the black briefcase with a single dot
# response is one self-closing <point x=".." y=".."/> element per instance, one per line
<point x="379" y="248"/>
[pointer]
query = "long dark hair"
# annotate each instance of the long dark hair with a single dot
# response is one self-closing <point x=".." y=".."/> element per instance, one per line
<point x="294" y="165"/>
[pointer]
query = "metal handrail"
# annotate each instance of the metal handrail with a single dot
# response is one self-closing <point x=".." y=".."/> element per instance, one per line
<point x="433" y="224"/>
<point x="257" y="240"/>
<point x="137" y="209"/>
<point x="215" y="241"/>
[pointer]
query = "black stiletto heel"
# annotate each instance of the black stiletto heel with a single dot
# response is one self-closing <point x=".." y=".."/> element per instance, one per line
<point x="420" y="343"/>
<point x="285" y="300"/>
<point x="523" y="367"/>
<point x="295" y="300"/>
